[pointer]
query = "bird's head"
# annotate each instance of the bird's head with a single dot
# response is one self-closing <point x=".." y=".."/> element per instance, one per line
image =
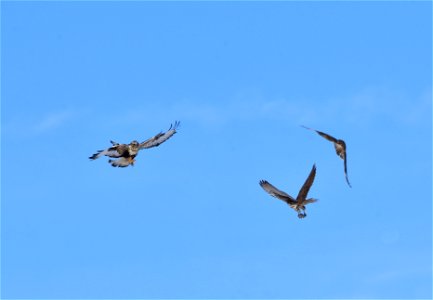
<point x="134" y="143"/>
<point x="133" y="147"/>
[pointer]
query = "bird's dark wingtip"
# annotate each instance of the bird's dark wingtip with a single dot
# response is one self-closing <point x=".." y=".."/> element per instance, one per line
<point x="176" y="124"/>
<point x="95" y="156"/>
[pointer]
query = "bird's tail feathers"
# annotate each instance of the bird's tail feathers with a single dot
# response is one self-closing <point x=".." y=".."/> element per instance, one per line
<point x="311" y="200"/>
<point x="121" y="162"/>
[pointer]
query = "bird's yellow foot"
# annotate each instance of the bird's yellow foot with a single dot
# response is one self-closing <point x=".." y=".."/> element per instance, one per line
<point x="131" y="160"/>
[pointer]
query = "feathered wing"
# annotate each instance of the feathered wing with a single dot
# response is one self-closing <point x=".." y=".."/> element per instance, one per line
<point x="274" y="192"/>
<point x="327" y="136"/>
<point x="307" y="185"/>
<point x="345" y="170"/>
<point x="160" y="137"/>
<point x="322" y="134"/>
<point x="116" y="151"/>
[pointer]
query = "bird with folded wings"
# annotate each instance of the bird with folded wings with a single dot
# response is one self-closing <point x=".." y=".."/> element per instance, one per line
<point x="301" y="200"/>
<point x="125" y="153"/>
<point x="340" y="149"/>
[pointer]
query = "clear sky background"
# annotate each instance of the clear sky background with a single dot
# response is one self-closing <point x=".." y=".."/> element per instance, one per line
<point x="190" y="220"/>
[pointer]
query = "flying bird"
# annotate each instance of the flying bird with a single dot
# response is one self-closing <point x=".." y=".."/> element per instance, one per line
<point x="301" y="200"/>
<point x="125" y="153"/>
<point x="340" y="148"/>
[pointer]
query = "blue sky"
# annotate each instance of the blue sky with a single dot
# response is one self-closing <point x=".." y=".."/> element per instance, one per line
<point x="190" y="220"/>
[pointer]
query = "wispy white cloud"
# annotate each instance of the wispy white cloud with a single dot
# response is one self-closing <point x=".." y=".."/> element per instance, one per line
<point x="379" y="104"/>
<point x="364" y="107"/>
<point x="421" y="109"/>
<point x="397" y="274"/>
<point x="30" y="125"/>
<point x="52" y="121"/>
<point x="220" y="113"/>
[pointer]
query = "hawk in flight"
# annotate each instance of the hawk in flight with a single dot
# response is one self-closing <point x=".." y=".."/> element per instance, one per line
<point x="301" y="200"/>
<point x="125" y="153"/>
<point x="340" y="148"/>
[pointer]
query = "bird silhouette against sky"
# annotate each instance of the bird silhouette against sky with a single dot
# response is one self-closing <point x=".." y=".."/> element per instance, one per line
<point x="126" y="153"/>
<point x="301" y="200"/>
<point x="340" y="148"/>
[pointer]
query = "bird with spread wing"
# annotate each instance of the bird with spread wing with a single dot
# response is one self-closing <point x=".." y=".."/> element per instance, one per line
<point x="340" y="148"/>
<point x="125" y="153"/>
<point x="301" y="200"/>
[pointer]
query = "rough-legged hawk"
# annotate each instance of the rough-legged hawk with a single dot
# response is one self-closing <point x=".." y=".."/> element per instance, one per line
<point x="301" y="200"/>
<point x="340" y="148"/>
<point x="126" y="153"/>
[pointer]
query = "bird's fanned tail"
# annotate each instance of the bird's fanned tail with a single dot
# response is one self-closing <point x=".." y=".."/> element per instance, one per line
<point x="121" y="162"/>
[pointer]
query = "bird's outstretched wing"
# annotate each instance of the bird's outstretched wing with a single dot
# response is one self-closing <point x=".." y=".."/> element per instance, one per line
<point x="116" y="151"/>
<point x="274" y="192"/>
<point x="345" y="170"/>
<point x="322" y="134"/>
<point x="160" y="137"/>
<point x="307" y="185"/>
